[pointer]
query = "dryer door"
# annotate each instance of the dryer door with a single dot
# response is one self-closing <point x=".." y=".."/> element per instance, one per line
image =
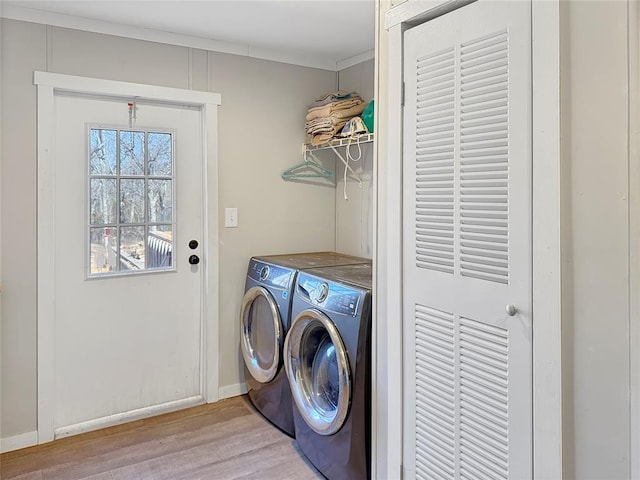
<point x="317" y="365"/>
<point x="261" y="341"/>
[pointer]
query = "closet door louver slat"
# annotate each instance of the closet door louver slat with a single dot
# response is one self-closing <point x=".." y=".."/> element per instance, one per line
<point x="484" y="155"/>
<point x="435" y="392"/>
<point x="435" y="127"/>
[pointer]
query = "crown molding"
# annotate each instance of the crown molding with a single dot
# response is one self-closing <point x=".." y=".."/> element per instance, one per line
<point x="16" y="12"/>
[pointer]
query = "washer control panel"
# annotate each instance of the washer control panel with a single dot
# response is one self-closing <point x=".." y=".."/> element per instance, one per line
<point x="329" y="296"/>
<point x="270" y="275"/>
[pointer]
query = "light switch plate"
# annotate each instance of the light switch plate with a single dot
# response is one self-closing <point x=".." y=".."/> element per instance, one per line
<point x="230" y="217"/>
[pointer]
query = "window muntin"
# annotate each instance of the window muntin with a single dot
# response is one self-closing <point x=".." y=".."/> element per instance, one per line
<point x="131" y="197"/>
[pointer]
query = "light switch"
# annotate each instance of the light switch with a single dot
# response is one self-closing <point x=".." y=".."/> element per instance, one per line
<point x="230" y="217"/>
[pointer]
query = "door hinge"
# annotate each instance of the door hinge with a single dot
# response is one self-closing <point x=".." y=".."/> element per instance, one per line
<point x="402" y="94"/>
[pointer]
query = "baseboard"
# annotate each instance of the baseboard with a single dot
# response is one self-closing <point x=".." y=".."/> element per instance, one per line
<point x="234" y="390"/>
<point x="17" y="442"/>
<point x="111" y="420"/>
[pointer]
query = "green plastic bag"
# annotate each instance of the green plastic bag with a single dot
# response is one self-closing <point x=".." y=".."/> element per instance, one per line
<point x="367" y="116"/>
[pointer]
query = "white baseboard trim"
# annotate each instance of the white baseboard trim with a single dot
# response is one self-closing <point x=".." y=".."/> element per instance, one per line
<point x="17" y="442"/>
<point x="234" y="390"/>
<point x="117" y="419"/>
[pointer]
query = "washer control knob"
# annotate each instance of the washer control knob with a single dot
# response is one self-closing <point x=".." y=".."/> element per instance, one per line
<point x="323" y="293"/>
<point x="511" y="310"/>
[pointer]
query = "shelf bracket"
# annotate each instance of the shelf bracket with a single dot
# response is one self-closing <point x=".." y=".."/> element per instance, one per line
<point x="346" y="164"/>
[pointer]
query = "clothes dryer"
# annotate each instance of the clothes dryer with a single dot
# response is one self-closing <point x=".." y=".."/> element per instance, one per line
<point x="328" y="364"/>
<point x="264" y="322"/>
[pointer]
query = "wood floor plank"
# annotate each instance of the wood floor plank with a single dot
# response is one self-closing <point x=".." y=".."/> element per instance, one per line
<point x="225" y="440"/>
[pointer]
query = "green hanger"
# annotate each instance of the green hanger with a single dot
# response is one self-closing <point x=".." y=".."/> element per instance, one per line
<point x="310" y="168"/>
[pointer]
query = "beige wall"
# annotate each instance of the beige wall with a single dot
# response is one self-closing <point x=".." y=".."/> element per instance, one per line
<point x="595" y="210"/>
<point x="22" y="52"/>
<point x="261" y="128"/>
<point x="354" y="216"/>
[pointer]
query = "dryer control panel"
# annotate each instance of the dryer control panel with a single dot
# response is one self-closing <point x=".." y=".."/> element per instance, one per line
<point x="270" y="275"/>
<point x="329" y="296"/>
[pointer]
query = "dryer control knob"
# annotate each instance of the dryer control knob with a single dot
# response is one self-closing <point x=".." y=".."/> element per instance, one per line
<point x="264" y="273"/>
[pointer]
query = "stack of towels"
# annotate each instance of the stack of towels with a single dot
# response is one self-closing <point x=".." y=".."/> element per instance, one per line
<point x="329" y="113"/>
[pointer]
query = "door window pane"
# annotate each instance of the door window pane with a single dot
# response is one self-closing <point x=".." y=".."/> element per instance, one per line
<point x="102" y="152"/>
<point x="131" y="153"/>
<point x="103" y="198"/>
<point x="131" y="201"/>
<point x="160" y="246"/>
<point x="132" y="248"/>
<point x="160" y="154"/>
<point x="160" y="200"/>
<point x="103" y="248"/>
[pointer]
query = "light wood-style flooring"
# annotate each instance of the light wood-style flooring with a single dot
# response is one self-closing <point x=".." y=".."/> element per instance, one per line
<point x="224" y="440"/>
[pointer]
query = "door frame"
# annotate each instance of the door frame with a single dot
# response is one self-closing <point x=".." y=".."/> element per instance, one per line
<point x="546" y="294"/>
<point x="634" y="231"/>
<point x="47" y="85"/>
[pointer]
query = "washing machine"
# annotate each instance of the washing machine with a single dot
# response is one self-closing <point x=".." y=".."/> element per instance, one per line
<point x="264" y="322"/>
<point x="328" y="364"/>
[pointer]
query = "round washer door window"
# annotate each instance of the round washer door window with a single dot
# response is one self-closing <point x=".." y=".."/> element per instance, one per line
<point x="317" y="366"/>
<point x="261" y="334"/>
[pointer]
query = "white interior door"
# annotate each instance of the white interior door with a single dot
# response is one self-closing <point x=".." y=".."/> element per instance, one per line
<point x="127" y="327"/>
<point x="467" y="244"/>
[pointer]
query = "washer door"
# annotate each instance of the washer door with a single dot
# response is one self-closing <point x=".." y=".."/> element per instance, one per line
<point x="261" y="341"/>
<point x="317" y="366"/>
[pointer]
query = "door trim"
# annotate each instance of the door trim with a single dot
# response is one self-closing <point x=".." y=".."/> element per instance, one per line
<point x="47" y="85"/>
<point x="634" y="232"/>
<point x="547" y="359"/>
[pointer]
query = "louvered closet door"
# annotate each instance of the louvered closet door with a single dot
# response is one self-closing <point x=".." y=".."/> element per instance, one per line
<point x="467" y="244"/>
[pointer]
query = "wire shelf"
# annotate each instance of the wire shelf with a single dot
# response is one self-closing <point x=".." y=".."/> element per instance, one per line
<point x="340" y="142"/>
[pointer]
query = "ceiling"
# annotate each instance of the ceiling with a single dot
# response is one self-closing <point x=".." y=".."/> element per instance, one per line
<point x="322" y="33"/>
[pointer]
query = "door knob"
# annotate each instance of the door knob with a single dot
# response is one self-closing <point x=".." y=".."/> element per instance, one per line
<point x="511" y="310"/>
<point x="194" y="260"/>
<point x="193" y="244"/>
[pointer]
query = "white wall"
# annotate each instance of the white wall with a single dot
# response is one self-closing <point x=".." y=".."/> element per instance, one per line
<point x="595" y="200"/>
<point x="261" y="128"/>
